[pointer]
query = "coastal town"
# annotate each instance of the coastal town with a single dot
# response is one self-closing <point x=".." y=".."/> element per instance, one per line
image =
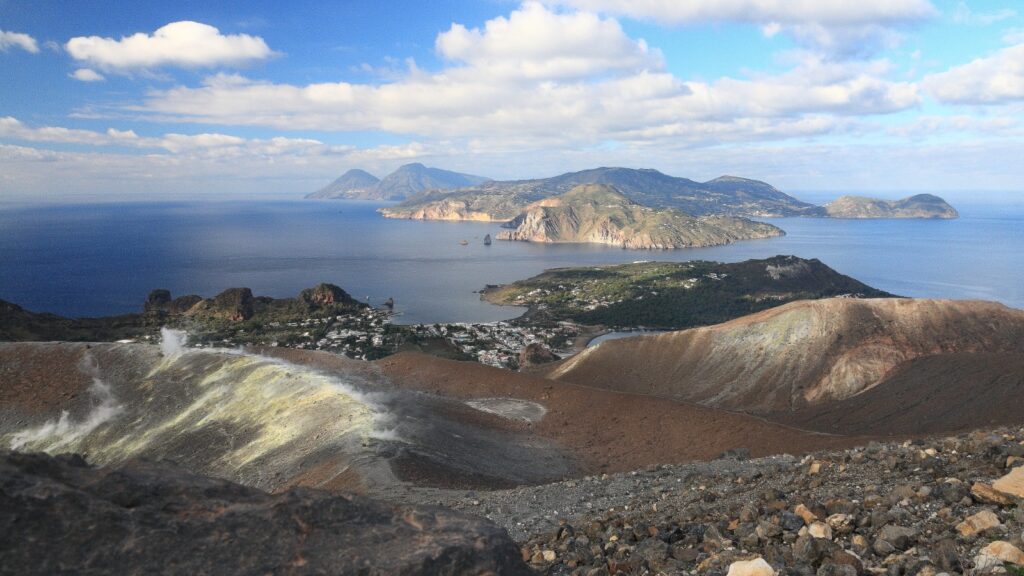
<point x="369" y="334"/>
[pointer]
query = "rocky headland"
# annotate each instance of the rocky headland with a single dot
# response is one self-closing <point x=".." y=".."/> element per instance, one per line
<point x="600" y="214"/>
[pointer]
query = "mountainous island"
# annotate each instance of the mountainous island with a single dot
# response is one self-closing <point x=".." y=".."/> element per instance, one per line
<point x="600" y="214"/>
<point x="502" y="201"/>
<point x="408" y="181"/>
<point x="355" y="184"/>
<point x="918" y="206"/>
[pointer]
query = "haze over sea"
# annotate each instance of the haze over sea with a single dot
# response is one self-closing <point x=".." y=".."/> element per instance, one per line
<point x="102" y="259"/>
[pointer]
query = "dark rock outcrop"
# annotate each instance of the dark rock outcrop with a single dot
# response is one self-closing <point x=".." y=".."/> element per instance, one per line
<point x="60" y="516"/>
<point x="535" y="354"/>
<point x="233" y="304"/>
<point x="160" y="301"/>
<point x="325" y="295"/>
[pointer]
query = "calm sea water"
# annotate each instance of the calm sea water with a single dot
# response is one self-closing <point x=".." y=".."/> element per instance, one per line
<point x="104" y="259"/>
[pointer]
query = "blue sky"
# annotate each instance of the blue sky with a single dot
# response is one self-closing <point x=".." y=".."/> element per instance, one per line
<point x="117" y="100"/>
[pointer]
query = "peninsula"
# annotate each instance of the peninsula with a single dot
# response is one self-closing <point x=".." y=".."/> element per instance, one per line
<point x="600" y="214"/>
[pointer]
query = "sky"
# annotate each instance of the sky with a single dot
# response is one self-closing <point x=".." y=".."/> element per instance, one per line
<point x="115" y="100"/>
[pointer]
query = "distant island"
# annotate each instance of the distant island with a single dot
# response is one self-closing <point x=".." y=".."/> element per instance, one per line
<point x="919" y="206"/>
<point x="409" y="181"/>
<point x="650" y="210"/>
<point x="601" y="214"/>
<point x="501" y="201"/>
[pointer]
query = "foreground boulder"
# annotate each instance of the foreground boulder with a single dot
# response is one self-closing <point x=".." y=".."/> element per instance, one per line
<point x="59" y="515"/>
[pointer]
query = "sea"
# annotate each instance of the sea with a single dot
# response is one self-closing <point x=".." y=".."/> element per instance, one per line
<point x="102" y="259"/>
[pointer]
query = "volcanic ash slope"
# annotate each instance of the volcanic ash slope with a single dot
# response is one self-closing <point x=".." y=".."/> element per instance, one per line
<point x="253" y="419"/>
<point x="807" y="354"/>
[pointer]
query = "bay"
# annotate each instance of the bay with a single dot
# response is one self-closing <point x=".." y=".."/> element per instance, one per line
<point x="100" y="259"/>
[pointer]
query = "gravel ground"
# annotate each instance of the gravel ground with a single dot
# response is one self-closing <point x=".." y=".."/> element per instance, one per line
<point x="885" y="508"/>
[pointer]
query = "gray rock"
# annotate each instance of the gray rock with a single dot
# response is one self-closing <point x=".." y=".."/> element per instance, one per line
<point x="59" y="515"/>
<point x="898" y="536"/>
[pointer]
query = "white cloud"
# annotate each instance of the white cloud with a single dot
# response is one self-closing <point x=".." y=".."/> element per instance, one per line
<point x="535" y="43"/>
<point x="962" y="14"/>
<point x="87" y="75"/>
<point x="838" y="27"/>
<point x="195" y="145"/>
<point x="18" y="40"/>
<point x="994" y="79"/>
<point x="185" y="44"/>
<point x="541" y="77"/>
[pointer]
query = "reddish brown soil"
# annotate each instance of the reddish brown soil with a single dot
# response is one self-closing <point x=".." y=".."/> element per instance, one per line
<point x="800" y="356"/>
<point x="609" y="431"/>
<point x="41" y="378"/>
<point x="936" y="394"/>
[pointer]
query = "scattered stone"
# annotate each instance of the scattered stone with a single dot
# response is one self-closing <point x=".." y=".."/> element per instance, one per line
<point x="755" y="567"/>
<point x="978" y="523"/>
<point x="985" y="493"/>
<point x="1012" y="484"/>
<point x="820" y="530"/>
<point x="805" y="513"/>
<point x="898" y="536"/>
<point x="997" y="553"/>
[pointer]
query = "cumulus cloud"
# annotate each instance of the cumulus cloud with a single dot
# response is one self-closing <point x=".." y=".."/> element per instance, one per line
<point x="18" y="40"/>
<point x="87" y="75"/>
<point x="540" y="76"/>
<point x="994" y="79"/>
<point x="837" y="27"/>
<point x="184" y="44"/>
<point x="535" y="43"/>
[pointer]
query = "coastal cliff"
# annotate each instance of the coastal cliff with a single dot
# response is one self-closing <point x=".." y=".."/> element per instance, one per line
<point x="446" y="209"/>
<point x="600" y="214"/>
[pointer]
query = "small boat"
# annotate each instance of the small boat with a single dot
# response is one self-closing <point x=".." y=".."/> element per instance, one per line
<point x="464" y="242"/>
<point x="487" y="240"/>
